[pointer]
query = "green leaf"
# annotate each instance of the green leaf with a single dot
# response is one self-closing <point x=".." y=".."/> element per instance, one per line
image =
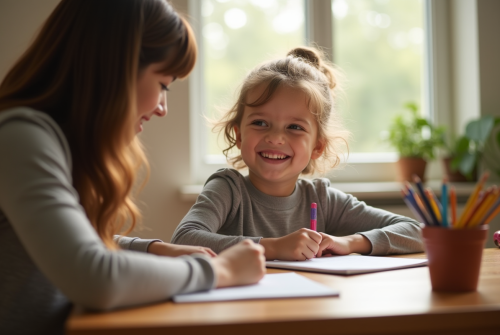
<point x="412" y="106"/>
<point x="462" y="145"/>
<point x="421" y="122"/>
<point x="467" y="163"/>
<point x="479" y="130"/>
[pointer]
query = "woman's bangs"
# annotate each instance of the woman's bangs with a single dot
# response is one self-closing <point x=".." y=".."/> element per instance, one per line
<point x="183" y="58"/>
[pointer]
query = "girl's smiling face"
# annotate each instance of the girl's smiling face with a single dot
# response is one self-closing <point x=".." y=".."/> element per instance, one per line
<point x="278" y="139"/>
<point x="152" y="87"/>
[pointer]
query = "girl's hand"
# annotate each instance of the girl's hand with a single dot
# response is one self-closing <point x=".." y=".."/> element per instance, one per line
<point x="174" y="250"/>
<point x="297" y="246"/>
<point x="242" y="264"/>
<point x="334" y="245"/>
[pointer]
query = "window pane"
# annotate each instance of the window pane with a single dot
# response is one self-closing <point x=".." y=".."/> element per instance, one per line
<point x="379" y="45"/>
<point x="238" y="35"/>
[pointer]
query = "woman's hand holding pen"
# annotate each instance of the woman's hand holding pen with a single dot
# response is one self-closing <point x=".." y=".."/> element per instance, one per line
<point x="334" y="245"/>
<point x="242" y="264"/>
<point x="298" y="246"/>
<point x="174" y="250"/>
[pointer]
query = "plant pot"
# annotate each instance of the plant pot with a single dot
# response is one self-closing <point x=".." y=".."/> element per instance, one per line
<point x="457" y="176"/>
<point x="409" y="166"/>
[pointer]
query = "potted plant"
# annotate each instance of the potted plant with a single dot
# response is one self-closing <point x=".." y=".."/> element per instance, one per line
<point x="416" y="141"/>
<point x="467" y="151"/>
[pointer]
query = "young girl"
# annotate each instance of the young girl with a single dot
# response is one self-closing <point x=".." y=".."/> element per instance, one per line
<point x="285" y="125"/>
<point x="69" y="112"/>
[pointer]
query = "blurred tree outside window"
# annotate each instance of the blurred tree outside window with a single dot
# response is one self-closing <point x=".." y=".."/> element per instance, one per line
<point x="377" y="43"/>
<point x="238" y="35"/>
<point x="379" y="46"/>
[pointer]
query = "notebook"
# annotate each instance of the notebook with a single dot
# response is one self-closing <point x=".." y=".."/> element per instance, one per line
<point x="349" y="264"/>
<point x="272" y="286"/>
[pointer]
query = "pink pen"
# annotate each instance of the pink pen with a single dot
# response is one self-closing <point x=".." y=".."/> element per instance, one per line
<point x="313" y="215"/>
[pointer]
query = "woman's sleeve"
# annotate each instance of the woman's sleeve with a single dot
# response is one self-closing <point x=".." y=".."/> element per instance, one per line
<point x="134" y="243"/>
<point x="207" y="216"/>
<point x="388" y="233"/>
<point x="39" y="201"/>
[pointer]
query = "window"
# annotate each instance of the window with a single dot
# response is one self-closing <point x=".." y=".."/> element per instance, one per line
<point x="380" y="45"/>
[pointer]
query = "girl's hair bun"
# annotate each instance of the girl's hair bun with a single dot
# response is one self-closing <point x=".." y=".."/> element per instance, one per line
<point x="310" y="55"/>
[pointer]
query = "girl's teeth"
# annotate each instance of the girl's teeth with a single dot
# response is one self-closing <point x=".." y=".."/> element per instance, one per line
<point x="273" y="156"/>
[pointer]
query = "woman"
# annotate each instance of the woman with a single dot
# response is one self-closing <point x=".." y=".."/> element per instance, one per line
<point x="69" y="112"/>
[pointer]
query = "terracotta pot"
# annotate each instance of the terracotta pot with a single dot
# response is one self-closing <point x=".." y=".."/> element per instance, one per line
<point x="457" y="176"/>
<point x="454" y="257"/>
<point x="409" y="166"/>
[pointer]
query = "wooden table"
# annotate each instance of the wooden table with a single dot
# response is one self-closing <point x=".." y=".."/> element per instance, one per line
<point x="391" y="302"/>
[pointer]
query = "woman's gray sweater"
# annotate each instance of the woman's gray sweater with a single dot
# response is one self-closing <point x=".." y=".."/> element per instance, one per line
<point x="51" y="256"/>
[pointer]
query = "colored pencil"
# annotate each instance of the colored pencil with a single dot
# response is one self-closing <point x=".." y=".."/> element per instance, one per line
<point x="491" y="210"/>
<point x="420" y="187"/>
<point x="434" y="206"/>
<point x="480" y="200"/>
<point x="411" y="203"/>
<point x="485" y="209"/>
<point x="444" y="202"/>
<point x="482" y="209"/>
<point x="472" y="200"/>
<point x="453" y="206"/>
<point x="436" y="200"/>
<point x="495" y="212"/>
<point x="420" y="205"/>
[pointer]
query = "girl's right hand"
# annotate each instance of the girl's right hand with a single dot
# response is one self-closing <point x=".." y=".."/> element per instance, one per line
<point x="297" y="246"/>
<point x="242" y="264"/>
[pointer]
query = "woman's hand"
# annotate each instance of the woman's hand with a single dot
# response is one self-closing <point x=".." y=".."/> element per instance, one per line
<point x="174" y="250"/>
<point x="242" y="264"/>
<point x="334" y="245"/>
<point x="297" y="246"/>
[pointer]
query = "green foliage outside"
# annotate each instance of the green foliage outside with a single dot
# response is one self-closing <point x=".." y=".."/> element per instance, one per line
<point x="383" y="65"/>
<point x="414" y="136"/>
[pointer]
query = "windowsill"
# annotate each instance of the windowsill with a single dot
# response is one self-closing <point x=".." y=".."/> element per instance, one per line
<point x="373" y="193"/>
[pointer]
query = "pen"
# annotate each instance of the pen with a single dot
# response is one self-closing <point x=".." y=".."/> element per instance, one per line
<point x="314" y="215"/>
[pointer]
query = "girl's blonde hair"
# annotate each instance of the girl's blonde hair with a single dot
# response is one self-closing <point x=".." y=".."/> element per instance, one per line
<point x="306" y="69"/>
<point x="82" y="70"/>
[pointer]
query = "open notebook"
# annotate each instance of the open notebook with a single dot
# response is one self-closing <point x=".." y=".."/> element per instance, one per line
<point x="278" y="285"/>
<point x="348" y="265"/>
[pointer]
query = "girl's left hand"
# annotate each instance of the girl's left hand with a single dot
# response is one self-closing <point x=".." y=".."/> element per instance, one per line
<point x="174" y="250"/>
<point x="345" y="245"/>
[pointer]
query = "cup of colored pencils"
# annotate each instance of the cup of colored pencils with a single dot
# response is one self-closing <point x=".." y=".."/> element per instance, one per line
<point x="454" y="243"/>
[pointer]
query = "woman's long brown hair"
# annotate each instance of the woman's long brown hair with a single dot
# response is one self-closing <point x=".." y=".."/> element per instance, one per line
<point x="82" y="70"/>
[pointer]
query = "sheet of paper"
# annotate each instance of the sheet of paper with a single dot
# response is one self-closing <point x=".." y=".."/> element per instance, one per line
<point x="350" y="264"/>
<point x="278" y="285"/>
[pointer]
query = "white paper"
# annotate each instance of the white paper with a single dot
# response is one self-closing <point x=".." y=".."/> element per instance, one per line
<point x="278" y="285"/>
<point x="349" y="264"/>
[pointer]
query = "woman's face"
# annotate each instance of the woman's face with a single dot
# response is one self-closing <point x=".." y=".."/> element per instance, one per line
<point x="152" y="87"/>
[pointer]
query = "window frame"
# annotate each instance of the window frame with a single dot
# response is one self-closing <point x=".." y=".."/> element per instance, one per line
<point x="359" y="167"/>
